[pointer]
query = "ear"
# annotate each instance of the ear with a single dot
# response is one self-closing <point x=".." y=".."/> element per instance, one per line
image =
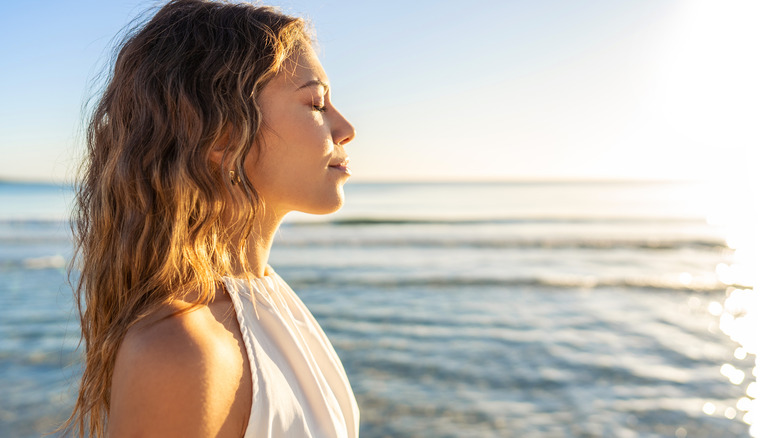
<point x="218" y="151"/>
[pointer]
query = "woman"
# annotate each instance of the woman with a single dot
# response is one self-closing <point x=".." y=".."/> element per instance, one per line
<point x="216" y="122"/>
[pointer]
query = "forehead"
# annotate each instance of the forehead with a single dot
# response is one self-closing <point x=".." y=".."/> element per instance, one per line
<point x="301" y="67"/>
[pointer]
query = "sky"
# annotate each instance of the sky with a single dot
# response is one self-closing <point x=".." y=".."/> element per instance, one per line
<point x="455" y="90"/>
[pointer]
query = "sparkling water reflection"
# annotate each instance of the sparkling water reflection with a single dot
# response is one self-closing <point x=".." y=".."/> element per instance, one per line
<point x="737" y="311"/>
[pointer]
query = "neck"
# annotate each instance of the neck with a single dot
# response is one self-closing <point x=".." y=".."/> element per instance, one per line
<point x="259" y="246"/>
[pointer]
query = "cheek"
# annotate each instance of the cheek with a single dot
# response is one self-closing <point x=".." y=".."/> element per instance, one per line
<point x="291" y="172"/>
<point x="284" y="175"/>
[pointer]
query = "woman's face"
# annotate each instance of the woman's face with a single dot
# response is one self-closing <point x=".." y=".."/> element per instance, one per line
<point x="301" y="164"/>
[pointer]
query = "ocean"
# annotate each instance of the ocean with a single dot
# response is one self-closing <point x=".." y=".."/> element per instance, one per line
<point x="524" y="309"/>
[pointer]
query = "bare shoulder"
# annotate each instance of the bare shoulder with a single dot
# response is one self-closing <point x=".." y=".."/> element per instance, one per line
<point x="182" y="374"/>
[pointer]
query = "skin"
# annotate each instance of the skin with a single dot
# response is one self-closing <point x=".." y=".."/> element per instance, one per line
<point x="303" y="138"/>
<point x="187" y="374"/>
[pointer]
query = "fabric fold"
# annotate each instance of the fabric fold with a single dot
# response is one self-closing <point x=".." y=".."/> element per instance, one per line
<point x="299" y="386"/>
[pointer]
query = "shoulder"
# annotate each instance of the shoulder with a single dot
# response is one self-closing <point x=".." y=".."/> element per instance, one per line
<point x="182" y="374"/>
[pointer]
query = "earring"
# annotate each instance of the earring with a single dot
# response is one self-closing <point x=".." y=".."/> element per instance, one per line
<point x="234" y="178"/>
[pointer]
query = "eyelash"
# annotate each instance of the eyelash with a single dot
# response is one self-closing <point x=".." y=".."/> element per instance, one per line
<point x="321" y="109"/>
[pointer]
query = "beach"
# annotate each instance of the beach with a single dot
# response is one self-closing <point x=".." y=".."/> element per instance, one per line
<point x="506" y="309"/>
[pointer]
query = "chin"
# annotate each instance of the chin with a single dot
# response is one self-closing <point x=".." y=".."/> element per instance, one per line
<point x="326" y="204"/>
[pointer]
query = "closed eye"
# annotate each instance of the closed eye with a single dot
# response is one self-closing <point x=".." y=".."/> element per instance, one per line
<point x="320" y="108"/>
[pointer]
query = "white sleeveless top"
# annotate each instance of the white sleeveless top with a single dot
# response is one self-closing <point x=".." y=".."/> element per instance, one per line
<point x="299" y="387"/>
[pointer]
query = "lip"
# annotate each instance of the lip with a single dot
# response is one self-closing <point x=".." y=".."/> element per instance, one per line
<point x="342" y="166"/>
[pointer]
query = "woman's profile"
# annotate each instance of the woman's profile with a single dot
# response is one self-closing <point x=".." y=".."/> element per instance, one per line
<point x="216" y="122"/>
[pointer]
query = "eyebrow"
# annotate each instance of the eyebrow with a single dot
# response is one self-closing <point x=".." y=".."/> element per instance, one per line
<point x="315" y="83"/>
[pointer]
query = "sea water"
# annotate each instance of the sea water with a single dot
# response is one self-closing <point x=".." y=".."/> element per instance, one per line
<point x="545" y="309"/>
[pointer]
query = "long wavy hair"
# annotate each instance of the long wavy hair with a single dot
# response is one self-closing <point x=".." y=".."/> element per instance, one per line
<point x="150" y="218"/>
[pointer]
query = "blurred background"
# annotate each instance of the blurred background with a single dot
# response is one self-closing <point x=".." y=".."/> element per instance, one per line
<point x="561" y="222"/>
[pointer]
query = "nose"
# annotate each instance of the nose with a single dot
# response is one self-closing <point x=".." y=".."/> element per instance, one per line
<point x="343" y="132"/>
